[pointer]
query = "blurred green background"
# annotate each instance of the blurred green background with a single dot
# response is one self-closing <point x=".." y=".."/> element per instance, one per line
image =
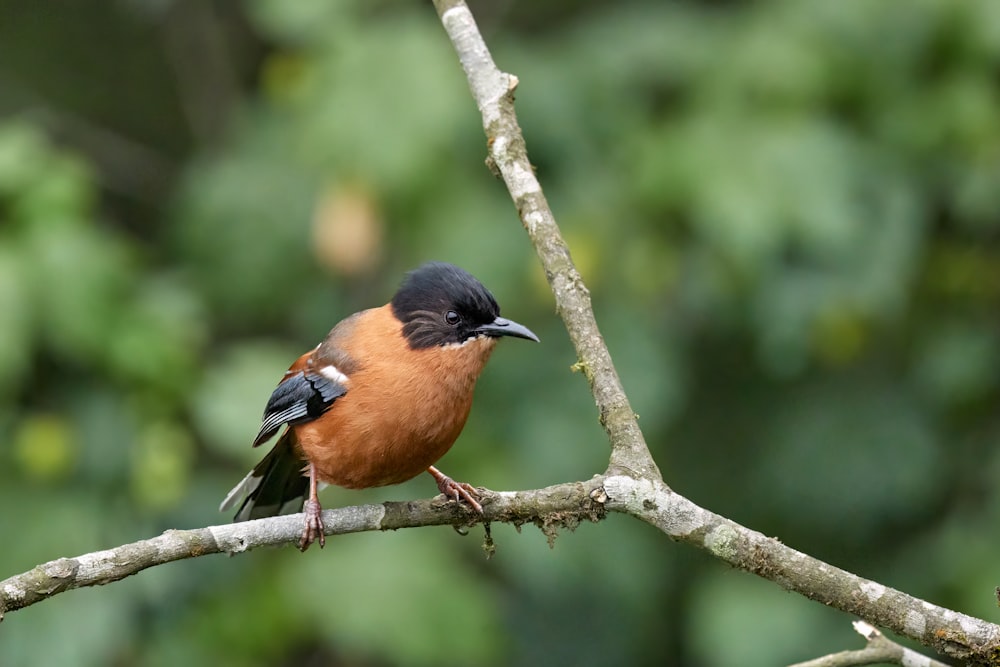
<point x="787" y="213"/>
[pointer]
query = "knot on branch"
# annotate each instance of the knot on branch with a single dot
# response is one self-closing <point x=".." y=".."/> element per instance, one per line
<point x="63" y="568"/>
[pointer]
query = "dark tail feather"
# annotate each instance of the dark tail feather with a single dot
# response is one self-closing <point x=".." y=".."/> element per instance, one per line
<point x="275" y="486"/>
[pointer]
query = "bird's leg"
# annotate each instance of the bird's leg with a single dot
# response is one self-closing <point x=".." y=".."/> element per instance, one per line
<point x="314" y="518"/>
<point x="457" y="490"/>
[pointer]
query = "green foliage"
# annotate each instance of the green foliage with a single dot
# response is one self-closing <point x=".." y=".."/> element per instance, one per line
<point x="787" y="213"/>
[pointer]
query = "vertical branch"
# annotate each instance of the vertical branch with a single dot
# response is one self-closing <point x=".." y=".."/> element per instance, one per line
<point x="493" y="91"/>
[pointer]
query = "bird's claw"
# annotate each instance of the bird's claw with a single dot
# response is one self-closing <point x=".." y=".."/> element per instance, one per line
<point x="459" y="491"/>
<point x="314" y="525"/>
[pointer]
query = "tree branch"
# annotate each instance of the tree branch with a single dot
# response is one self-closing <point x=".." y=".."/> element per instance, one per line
<point x="493" y="91"/>
<point x="880" y="650"/>
<point x="944" y="630"/>
<point x="551" y="508"/>
<point x="634" y="485"/>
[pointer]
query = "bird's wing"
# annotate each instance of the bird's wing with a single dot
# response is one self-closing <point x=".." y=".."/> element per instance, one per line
<point x="302" y="396"/>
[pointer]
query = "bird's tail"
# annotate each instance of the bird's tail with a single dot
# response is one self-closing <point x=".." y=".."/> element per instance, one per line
<point x="275" y="486"/>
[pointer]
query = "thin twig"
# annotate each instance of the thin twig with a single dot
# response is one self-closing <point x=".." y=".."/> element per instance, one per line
<point x="880" y="650"/>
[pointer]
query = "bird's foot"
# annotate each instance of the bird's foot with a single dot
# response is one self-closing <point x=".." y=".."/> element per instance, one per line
<point x="458" y="491"/>
<point x="314" y="525"/>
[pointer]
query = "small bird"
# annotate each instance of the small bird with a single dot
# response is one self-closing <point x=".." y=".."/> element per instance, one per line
<point x="380" y="400"/>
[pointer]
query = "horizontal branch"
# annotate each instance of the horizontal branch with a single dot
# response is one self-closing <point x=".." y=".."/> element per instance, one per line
<point x="551" y="509"/>
<point x="563" y="505"/>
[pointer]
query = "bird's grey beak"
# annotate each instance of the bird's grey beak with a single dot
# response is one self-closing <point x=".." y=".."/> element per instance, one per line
<point x="503" y="327"/>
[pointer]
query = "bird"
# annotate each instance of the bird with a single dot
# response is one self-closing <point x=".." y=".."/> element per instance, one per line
<point x="379" y="400"/>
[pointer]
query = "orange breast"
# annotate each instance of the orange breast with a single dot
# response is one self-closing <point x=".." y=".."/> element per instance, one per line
<point x="403" y="408"/>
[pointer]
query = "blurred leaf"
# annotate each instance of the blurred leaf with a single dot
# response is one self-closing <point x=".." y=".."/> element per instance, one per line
<point x="367" y="137"/>
<point x="836" y="455"/>
<point x="736" y="619"/>
<point x="158" y="338"/>
<point x="255" y="622"/>
<point x="303" y="21"/>
<point x="107" y="425"/>
<point x="348" y="230"/>
<point x="227" y="406"/>
<point x="246" y="215"/>
<point x="60" y="194"/>
<point x="45" y="447"/>
<point x="955" y="363"/>
<point x="23" y="156"/>
<point x="407" y="600"/>
<point x="162" y="462"/>
<point x="80" y="277"/>
<point x="17" y="324"/>
<point x="97" y="619"/>
<point x="839" y="335"/>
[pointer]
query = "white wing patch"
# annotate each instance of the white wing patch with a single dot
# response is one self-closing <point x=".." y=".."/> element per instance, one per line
<point x="333" y="374"/>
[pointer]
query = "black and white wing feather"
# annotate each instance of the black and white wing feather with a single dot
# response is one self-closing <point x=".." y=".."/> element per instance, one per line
<point x="301" y="397"/>
<point x="276" y="484"/>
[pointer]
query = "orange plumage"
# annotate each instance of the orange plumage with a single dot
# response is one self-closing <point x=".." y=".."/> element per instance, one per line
<point x="381" y="399"/>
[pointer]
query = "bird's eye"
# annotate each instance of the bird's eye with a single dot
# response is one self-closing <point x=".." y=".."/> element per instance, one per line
<point x="452" y="318"/>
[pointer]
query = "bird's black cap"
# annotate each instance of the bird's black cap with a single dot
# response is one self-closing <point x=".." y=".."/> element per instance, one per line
<point x="441" y="304"/>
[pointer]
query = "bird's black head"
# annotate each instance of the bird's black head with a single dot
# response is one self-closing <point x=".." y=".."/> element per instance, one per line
<point x="441" y="304"/>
